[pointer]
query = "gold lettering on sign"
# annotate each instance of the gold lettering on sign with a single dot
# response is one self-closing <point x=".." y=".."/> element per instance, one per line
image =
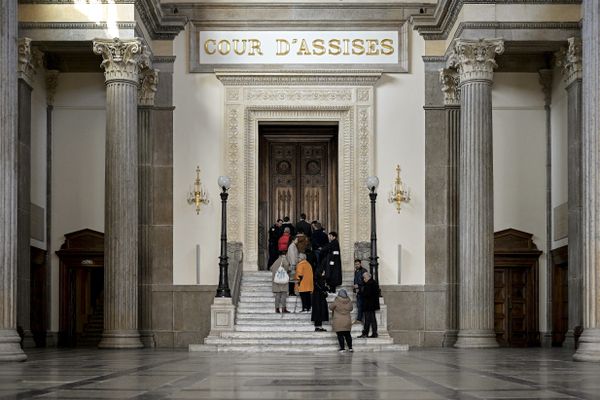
<point x="283" y="47"/>
<point x="254" y="47"/>
<point x="302" y="47"/>
<point x="207" y="43"/>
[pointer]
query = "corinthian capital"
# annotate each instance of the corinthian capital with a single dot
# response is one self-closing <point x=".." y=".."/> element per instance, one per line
<point x="29" y="60"/>
<point x="475" y="59"/>
<point x="449" y="81"/>
<point x="121" y="59"/>
<point x="148" y="83"/>
<point x="569" y="60"/>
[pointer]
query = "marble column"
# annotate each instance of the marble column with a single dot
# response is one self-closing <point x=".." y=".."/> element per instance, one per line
<point x="121" y="63"/>
<point x="475" y="62"/>
<point x="570" y="61"/>
<point x="147" y="91"/>
<point x="546" y="77"/>
<point x="449" y="82"/>
<point x="10" y="350"/>
<point x="29" y="59"/>
<point x="589" y="341"/>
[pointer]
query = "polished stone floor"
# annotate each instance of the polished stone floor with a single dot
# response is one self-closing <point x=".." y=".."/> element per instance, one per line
<point x="417" y="374"/>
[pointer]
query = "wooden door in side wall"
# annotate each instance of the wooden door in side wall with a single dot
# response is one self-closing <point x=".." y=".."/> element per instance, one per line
<point x="516" y="290"/>
<point x="560" y="295"/>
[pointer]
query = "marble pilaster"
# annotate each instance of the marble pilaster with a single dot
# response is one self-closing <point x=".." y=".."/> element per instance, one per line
<point x="29" y="61"/>
<point x="449" y="81"/>
<point x="147" y="91"/>
<point x="475" y="62"/>
<point x="546" y="77"/>
<point x="121" y="63"/>
<point x="589" y="341"/>
<point x="10" y="349"/>
<point x="570" y="61"/>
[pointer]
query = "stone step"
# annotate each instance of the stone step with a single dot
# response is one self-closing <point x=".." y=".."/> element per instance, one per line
<point x="294" y="335"/>
<point x="268" y="310"/>
<point x="297" y="327"/>
<point x="316" y="341"/>
<point x="295" y="349"/>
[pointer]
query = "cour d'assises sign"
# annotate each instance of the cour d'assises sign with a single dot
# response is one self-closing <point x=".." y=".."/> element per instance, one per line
<point x="382" y="49"/>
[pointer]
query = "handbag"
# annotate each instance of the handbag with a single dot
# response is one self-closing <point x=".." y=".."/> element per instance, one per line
<point x="281" y="276"/>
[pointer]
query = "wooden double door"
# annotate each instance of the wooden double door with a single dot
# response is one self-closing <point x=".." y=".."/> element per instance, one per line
<point x="298" y="174"/>
<point x="516" y="289"/>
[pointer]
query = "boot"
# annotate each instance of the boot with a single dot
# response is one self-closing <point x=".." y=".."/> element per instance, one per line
<point x="277" y="310"/>
<point x="285" y="310"/>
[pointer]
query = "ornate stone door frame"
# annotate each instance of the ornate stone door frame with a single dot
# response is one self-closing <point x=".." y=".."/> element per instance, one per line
<point x="342" y="96"/>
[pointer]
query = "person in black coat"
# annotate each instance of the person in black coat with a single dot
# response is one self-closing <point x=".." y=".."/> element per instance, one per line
<point x="370" y="295"/>
<point x="304" y="227"/>
<point x="320" y="310"/>
<point x="331" y="262"/>
<point x="275" y="233"/>
<point x="318" y="239"/>
<point x="288" y="224"/>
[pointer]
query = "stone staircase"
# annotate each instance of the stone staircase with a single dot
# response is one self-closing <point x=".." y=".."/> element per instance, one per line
<point x="92" y="330"/>
<point x="259" y="329"/>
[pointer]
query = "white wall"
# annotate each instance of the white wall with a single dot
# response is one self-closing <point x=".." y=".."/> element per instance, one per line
<point x="400" y="139"/>
<point x="38" y="148"/>
<point x="198" y="125"/>
<point x="560" y="148"/>
<point x="519" y="121"/>
<point x="78" y="143"/>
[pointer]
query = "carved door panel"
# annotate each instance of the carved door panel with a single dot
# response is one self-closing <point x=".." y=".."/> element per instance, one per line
<point x="313" y="182"/>
<point x="512" y="298"/>
<point x="284" y="180"/>
<point x="517" y="307"/>
<point x="298" y="180"/>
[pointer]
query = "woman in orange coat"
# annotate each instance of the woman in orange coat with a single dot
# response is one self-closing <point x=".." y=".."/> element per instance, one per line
<point x="304" y="281"/>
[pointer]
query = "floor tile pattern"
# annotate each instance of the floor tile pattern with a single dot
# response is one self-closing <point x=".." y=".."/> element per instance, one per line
<point x="417" y="374"/>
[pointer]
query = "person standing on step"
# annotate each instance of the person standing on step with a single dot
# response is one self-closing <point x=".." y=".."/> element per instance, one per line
<point x="370" y="295"/>
<point x="359" y="283"/>
<point x="304" y="281"/>
<point x="318" y="239"/>
<point x="280" y="271"/>
<point x="303" y="227"/>
<point x="320" y="312"/>
<point x="284" y="241"/>
<point x="292" y="256"/>
<point x="275" y="233"/>
<point x="341" y="322"/>
<point x="332" y="262"/>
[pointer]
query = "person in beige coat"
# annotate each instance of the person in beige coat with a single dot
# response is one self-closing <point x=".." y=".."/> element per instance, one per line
<point x="341" y="322"/>
<point x="280" y="290"/>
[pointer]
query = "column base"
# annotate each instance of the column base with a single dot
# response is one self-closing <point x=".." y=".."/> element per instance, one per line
<point x="120" y="340"/>
<point x="10" y="346"/>
<point x="546" y="339"/>
<point x="28" y="341"/>
<point x="147" y="338"/>
<point x="589" y="346"/>
<point x="450" y="338"/>
<point x="476" y="339"/>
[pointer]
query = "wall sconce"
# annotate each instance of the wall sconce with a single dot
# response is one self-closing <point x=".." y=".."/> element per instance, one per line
<point x="199" y="196"/>
<point x="398" y="194"/>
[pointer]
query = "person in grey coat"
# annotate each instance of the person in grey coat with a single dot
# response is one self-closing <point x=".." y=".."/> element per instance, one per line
<point x="280" y="290"/>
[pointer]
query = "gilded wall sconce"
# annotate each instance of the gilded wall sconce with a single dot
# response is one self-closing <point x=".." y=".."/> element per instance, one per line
<point x="198" y="196"/>
<point x="398" y="194"/>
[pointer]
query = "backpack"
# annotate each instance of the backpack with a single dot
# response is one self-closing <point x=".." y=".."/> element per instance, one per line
<point x="281" y="276"/>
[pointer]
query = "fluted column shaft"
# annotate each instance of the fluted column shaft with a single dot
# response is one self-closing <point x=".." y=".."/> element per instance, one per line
<point x="10" y="349"/>
<point x="121" y="207"/>
<point x="475" y="63"/>
<point x="589" y="342"/>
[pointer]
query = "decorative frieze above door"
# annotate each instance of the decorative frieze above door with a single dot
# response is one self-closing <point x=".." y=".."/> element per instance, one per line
<point x="344" y="97"/>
